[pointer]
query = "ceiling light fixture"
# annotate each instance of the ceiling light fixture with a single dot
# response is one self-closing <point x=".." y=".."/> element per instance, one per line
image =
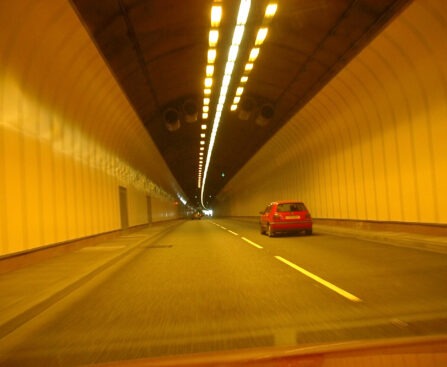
<point x="213" y="37"/>
<point x="212" y="53"/>
<point x="253" y="54"/>
<point x="261" y="35"/>
<point x="216" y="15"/>
<point x="270" y="10"/>
<point x="209" y="70"/>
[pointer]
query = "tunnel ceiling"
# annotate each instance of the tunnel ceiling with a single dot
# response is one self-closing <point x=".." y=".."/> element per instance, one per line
<point x="157" y="50"/>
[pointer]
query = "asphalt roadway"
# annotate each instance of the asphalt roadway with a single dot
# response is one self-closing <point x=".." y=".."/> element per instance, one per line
<point x="218" y="284"/>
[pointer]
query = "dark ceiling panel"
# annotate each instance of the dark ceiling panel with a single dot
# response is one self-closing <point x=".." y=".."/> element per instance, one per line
<point x="157" y="52"/>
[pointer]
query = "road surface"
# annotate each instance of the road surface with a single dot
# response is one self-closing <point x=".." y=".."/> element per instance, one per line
<point x="218" y="284"/>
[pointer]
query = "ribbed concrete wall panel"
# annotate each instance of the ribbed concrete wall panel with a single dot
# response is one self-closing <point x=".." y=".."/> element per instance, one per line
<point x="68" y="135"/>
<point x="371" y="145"/>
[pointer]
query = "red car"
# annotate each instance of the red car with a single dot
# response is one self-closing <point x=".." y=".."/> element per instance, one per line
<point x="285" y="217"/>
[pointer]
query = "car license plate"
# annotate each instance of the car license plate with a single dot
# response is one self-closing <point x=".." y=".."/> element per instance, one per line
<point x="293" y="217"/>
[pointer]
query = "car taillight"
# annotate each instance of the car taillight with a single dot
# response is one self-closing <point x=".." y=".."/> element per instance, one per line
<point x="276" y="216"/>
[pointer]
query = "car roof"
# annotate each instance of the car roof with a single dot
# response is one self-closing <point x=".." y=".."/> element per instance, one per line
<point x="286" y="201"/>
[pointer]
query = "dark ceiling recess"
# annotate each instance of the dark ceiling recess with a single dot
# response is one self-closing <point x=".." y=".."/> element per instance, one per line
<point x="157" y="52"/>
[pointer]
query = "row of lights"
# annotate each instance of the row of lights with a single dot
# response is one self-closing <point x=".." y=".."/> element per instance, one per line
<point x="213" y="38"/>
<point x="238" y="34"/>
<point x="270" y="11"/>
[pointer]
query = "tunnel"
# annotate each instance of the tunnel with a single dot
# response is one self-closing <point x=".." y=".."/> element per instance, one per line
<point x="368" y="148"/>
<point x="77" y="166"/>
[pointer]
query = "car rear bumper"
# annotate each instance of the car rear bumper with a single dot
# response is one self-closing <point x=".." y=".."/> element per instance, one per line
<point x="290" y="226"/>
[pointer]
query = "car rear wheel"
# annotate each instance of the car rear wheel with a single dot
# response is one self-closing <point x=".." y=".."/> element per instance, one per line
<point x="308" y="232"/>
<point x="269" y="231"/>
<point x="262" y="230"/>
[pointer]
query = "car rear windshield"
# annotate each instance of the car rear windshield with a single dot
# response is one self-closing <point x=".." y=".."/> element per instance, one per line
<point x="291" y="207"/>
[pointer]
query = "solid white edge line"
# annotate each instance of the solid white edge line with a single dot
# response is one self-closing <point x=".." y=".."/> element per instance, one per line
<point x="327" y="284"/>
<point x="251" y="243"/>
<point x="236" y="234"/>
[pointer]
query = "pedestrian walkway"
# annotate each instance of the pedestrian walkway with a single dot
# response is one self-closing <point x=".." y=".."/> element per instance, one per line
<point x="410" y="240"/>
<point x="27" y="291"/>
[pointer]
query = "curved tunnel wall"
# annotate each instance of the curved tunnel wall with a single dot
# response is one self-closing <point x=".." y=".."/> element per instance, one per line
<point x="372" y="144"/>
<point x="68" y="136"/>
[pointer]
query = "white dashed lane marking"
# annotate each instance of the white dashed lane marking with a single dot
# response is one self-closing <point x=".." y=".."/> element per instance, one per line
<point x="316" y="278"/>
<point x="251" y="242"/>
<point x="327" y="284"/>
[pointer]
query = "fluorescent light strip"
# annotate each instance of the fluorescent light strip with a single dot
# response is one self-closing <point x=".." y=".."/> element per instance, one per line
<point x="244" y="9"/>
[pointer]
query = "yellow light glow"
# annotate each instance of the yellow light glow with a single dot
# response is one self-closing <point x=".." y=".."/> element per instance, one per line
<point x="213" y="37"/>
<point x="202" y="135"/>
<point x="249" y="66"/>
<point x="208" y="82"/>
<point x="212" y="55"/>
<point x="232" y="55"/>
<point x="203" y="127"/>
<point x="236" y="100"/>
<point x="209" y="70"/>
<point x="233" y="107"/>
<point x="204" y="116"/>
<point x="244" y="9"/>
<point x="260" y="37"/>
<point x="206" y="109"/>
<point x="253" y="54"/>
<point x="202" y="148"/>
<point x="206" y="101"/>
<point x="237" y="36"/>
<point x="216" y="15"/>
<point x="244" y="79"/>
<point x="202" y="142"/>
<point x="239" y="91"/>
<point x="271" y="10"/>
<point x="207" y="91"/>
